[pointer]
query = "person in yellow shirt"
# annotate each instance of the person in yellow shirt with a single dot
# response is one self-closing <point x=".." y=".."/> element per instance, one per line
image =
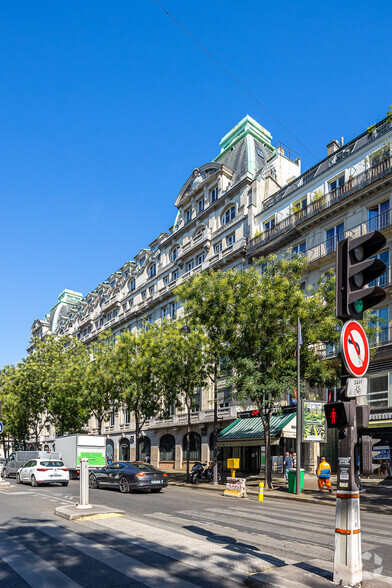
<point x="324" y="475"/>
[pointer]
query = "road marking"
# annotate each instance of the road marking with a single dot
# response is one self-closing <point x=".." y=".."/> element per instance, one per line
<point x="37" y="572"/>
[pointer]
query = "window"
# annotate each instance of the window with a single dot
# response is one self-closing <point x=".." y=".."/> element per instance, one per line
<point x="228" y="215"/>
<point x="200" y="259"/>
<point x="197" y="399"/>
<point x="127" y="416"/>
<point x="334" y="235"/>
<point x="113" y="283"/>
<point x="378" y="389"/>
<point x="214" y="194"/>
<point x="167" y="446"/>
<point x="194" y="446"/>
<point x="200" y="205"/>
<point x="165" y="280"/>
<point x="224" y="398"/>
<point x="198" y="235"/>
<point x="174" y="276"/>
<point x="112" y="417"/>
<point x="189" y="265"/>
<point x="144" y="295"/>
<point x="299" y="249"/>
<point x="378" y="216"/>
<point x="381" y="324"/>
<point x="124" y="307"/>
<point x="218" y="247"/>
<point x="230" y="240"/>
<point x="336" y="185"/>
<point x="188" y="215"/>
<point x="131" y="302"/>
<point x="173" y="310"/>
<point x="174" y="254"/>
<point x="151" y="290"/>
<point x="152" y="270"/>
<point x="132" y="284"/>
<point x="164" y="313"/>
<point x="101" y="322"/>
<point x="299" y="205"/>
<point x="383" y="280"/>
<point x="269" y="224"/>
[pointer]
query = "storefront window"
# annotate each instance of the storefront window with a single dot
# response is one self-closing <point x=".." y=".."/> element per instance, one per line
<point x="166" y="448"/>
<point x="378" y="392"/>
<point x="195" y="447"/>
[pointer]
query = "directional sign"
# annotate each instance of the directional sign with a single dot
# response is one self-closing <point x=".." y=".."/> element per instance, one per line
<point x="1" y="427"/>
<point x="355" y="348"/>
<point x="356" y="387"/>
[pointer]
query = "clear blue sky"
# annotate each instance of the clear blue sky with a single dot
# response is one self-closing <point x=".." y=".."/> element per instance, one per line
<point x="107" y="107"/>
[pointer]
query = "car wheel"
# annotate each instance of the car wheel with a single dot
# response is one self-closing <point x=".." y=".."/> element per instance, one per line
<point x="18" y="480"/>
<point x="93" y="483"/>
<point x="33" y="481"/>
<point x="124" y="485"/>
<point x="64" y="483"/>
<point x="156" y="490"/>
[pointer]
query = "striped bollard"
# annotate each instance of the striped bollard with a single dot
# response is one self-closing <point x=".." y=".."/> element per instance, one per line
<point x="261" y="492"/>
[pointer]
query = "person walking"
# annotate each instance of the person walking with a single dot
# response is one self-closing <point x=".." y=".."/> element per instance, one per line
<point x="324" y="475"/>
<point x="288" y="464"/>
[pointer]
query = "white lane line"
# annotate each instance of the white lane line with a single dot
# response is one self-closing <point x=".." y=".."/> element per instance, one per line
<point x="130" y="567"/>
<point x="37" y="572"/>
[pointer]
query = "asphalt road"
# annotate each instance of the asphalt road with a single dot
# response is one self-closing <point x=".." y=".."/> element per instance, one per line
<point x="184" y="533"/>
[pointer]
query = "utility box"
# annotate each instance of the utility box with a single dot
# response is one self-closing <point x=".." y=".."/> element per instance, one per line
<point x="233" y="463"/>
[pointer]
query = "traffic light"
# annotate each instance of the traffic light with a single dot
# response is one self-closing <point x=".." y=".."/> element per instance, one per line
<point x="340" y="414"/>
<point x="366" y="464"/>
<point x="354" y="270"/>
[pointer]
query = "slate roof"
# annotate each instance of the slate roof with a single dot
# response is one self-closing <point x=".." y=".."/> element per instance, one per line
<point x="253" y="428"/>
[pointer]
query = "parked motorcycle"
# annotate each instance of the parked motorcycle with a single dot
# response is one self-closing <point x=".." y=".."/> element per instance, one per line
<point x="200" y="472"/>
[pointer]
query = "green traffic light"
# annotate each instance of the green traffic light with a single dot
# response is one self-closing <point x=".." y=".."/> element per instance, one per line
<point x="358" y="305"/>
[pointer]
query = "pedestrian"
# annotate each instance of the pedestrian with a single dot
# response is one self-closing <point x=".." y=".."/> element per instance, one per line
<point x="324" y="475"/>
<point x="288" y="464"/>
<point x="109" y="461"/>
<point x="294" y="460"/>
<point x="147" y="459"/>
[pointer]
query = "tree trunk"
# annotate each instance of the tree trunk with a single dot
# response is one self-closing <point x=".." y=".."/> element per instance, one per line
<point x="215" y="444"/>
<point x="100" y="422"/>
<point x="137" y="432"/>
<point x="188" y="444"/>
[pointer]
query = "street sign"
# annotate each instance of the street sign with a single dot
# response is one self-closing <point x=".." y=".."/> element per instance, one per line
<point x="356" y="387"/>
<point x="1" y="427"/>
<point x="355" y="348"/>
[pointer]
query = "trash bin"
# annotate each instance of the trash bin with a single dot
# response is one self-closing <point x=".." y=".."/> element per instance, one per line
<point x="292" y="480"/>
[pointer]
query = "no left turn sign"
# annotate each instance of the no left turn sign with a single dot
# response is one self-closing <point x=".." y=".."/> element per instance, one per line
<point x="355" y="348"/>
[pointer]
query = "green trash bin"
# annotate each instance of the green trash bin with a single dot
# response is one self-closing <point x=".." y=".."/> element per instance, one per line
<point x="292" y="480"/>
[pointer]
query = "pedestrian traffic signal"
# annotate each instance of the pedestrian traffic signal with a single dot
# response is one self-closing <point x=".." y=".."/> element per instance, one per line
<point x="354" y="270"/>
<point x="367" y="453"/>
<point x="340" y="414"/>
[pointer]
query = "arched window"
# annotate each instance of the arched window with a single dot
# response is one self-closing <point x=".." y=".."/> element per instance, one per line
<point x="152" y="270"/>
<point x="109" y="449"/>
<point x="124" y="449"/>
<point x="144" y="448"/>
<point x="167" y="448"/>
<point x="132" y="284"/>
<point x="194" y="446"/>
<point x="174" y="253"/>
<point x="228" y="215"/>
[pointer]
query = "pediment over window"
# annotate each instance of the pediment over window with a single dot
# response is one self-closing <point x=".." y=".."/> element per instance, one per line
<point x="197" y="179"/>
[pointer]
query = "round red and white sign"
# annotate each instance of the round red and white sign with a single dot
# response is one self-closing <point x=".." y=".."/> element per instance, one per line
<point x="355" y="348"/>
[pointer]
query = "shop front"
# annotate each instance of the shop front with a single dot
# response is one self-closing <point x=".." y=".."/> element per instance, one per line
<point x="244" y="438"/>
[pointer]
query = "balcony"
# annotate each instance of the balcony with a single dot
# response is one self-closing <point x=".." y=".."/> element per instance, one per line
<point x="359" y="182"/>
<point x="199" y="417"/>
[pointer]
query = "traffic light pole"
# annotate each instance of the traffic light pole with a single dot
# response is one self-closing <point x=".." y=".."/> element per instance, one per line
<point x="347" y="568"/>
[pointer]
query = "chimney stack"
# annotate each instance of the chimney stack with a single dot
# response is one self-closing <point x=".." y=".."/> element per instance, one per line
<point x="333" y="146"/>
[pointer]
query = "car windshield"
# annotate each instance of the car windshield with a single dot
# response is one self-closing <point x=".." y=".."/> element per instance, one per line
<point x="146" y="467"/>
<point x="52" y="464"/>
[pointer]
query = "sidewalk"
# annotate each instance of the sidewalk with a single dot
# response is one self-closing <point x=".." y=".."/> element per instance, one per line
<point x="376" y="498"/>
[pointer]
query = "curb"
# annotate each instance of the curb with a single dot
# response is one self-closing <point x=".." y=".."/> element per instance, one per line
<point x="307" y="500"/>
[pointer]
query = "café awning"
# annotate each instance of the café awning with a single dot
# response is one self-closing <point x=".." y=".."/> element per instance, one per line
<point x="251" y="431"/>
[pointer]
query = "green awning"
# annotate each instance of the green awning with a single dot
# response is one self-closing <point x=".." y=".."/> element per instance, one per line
<point x="252" y="429"/>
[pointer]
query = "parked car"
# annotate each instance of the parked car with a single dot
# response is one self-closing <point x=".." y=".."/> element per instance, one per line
<point x="128" y="476"/>
<point x="43" y="471"/>
<point x="17" y="459"/>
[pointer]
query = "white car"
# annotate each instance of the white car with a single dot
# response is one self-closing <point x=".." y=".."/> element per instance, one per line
<point x="43" y="471"/>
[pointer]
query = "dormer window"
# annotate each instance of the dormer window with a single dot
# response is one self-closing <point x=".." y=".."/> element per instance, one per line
<point x="188" y="215"/>
<point x="113" y="283"/>
<point x="152" y="270"/>
<point x="228" y="215"/>
<point x="214" y="194"/>
<point x="132" y="284"/>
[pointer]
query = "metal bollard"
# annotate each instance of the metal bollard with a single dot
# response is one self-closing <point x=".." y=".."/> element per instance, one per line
<point x="261" y="492"/>
<point x="84" y="487"/>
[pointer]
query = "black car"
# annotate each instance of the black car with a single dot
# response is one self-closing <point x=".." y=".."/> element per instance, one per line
<point x="128" y="476"/>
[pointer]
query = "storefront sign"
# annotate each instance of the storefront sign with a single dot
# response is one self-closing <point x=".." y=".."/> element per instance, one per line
<point x="235" y="487"/>
<point x="314" y="428"/>
<point x="383" y="452"/>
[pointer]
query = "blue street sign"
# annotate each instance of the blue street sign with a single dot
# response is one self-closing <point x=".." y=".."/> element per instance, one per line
<point x="1" y="427"/>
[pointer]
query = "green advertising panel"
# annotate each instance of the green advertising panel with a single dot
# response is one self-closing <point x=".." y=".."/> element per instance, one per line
<point x="95" y="458"/>
<point x="314" y="428"/>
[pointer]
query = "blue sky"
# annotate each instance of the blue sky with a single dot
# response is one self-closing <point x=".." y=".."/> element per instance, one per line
<point x="106" y="109"/>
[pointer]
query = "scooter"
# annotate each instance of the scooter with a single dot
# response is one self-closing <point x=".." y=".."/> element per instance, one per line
<point x="199" y="471"/>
